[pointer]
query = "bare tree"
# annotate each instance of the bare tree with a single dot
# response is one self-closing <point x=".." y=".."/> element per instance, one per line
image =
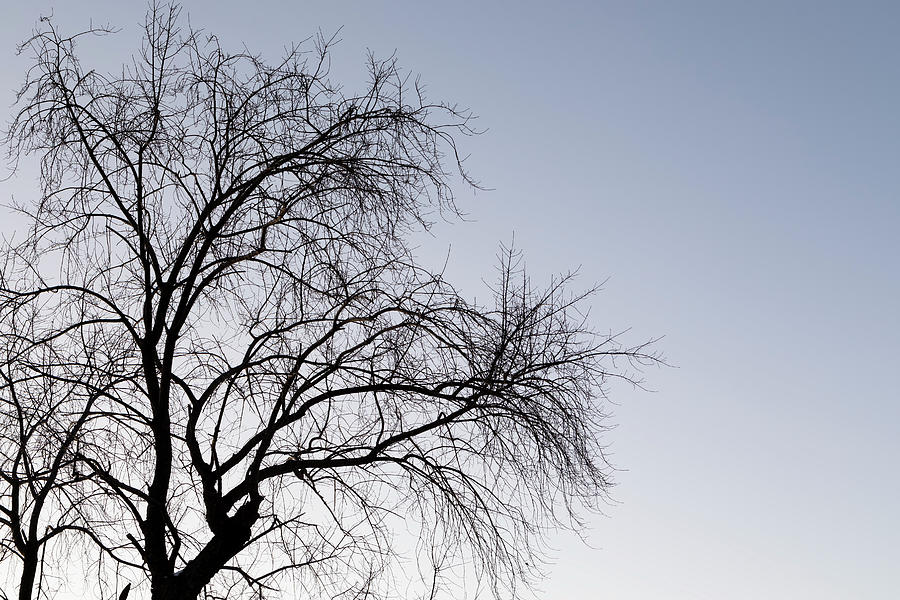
<point x="46" y="398"/>
<point x="260" y="386"/>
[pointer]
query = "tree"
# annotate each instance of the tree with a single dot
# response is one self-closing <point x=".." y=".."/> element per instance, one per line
<point x="235" y="375"/>
<point x="43" y="409"/>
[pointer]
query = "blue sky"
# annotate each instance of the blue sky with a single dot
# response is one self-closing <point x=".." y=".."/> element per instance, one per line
<point x="731" y="170"/>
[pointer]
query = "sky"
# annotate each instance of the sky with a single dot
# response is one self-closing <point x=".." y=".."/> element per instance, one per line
<point x="729" y="170"/>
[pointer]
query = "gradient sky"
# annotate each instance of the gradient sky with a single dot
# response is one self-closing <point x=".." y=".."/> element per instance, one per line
<point x="732" y="170"/>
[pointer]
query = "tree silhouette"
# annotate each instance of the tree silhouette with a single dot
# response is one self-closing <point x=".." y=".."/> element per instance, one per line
<point x="225" y="371"/>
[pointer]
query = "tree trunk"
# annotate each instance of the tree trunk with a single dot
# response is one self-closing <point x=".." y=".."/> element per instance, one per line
<point x="188" y="583"/>
<point x="29" y="574"/>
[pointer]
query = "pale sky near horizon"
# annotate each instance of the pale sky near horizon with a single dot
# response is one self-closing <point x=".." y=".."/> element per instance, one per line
<point x="731" y="168"/>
